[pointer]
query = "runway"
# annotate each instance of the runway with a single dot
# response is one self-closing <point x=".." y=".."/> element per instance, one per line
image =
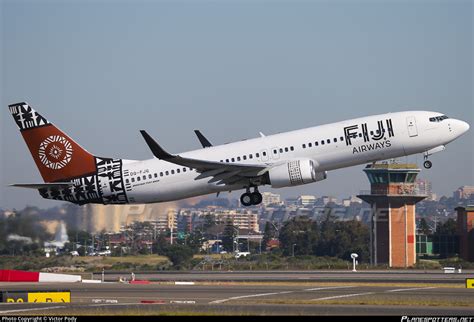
<point x="409" y="276"/>
<point x="395" y="296"/>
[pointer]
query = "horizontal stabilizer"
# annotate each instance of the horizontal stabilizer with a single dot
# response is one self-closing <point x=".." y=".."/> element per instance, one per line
<point x="43" y="185"/>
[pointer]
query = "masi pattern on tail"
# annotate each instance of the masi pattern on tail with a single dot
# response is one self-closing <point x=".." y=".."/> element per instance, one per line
<point x="60" y="159"/>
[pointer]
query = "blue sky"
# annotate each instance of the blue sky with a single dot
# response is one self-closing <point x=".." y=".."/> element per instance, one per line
<point x="103" y="70"/>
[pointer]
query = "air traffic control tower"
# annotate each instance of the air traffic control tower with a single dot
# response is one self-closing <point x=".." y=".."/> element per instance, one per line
<point x="392" y="197"/>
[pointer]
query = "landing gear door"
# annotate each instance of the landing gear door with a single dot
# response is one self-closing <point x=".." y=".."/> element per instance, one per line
<point x="411" y="124"/>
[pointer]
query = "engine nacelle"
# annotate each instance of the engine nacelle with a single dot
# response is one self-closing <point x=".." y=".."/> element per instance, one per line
<point x="295" y="173"/>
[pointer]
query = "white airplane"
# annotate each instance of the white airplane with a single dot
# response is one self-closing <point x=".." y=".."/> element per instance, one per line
<point x="287" y="159"/>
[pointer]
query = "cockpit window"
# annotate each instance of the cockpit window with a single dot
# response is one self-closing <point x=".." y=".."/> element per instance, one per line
<point x="438" y="118"/>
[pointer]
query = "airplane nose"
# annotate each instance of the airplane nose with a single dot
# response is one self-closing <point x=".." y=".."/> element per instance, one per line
<point x="463" y="127"/>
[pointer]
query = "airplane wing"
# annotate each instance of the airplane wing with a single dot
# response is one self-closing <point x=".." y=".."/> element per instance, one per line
<point x="222" y="173"/>
<point x="204" y="142"/>
<point x="43" y="185"/>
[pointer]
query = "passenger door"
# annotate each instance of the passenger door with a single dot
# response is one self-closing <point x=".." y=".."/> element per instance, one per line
<point x="411" y="124"/>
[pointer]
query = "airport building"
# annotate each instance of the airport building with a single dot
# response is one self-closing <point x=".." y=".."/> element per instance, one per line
<point x="392" y="197"/>
<point x="465" y="229"/>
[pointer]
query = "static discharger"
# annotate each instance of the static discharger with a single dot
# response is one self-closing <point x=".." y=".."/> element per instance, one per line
<point x="469" y="282"/>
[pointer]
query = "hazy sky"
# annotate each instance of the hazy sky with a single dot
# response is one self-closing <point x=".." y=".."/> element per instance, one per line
<point x="103" y="70"/>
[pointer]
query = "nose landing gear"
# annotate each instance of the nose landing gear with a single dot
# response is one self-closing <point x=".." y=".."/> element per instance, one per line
<point x="251" y="199"/>
<point x="427" y="164"/>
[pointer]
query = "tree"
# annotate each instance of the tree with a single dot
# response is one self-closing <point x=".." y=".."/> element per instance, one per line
<point x="449" y="227"/>
<point x="179" y="255"/>
<point x="228" y="237"/>
<point x="269" y="234"/>
<point x="424" y="227"/>
<point x="300" y="235"/>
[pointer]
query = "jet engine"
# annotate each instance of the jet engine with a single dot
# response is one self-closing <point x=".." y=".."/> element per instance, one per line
<point x="295" y="173"/>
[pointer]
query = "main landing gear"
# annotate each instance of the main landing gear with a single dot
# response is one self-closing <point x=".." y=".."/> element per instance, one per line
<point x="251" y="199"/>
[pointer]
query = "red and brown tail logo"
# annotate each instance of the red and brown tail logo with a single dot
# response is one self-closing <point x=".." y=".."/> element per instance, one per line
<point x="56" y="155"/>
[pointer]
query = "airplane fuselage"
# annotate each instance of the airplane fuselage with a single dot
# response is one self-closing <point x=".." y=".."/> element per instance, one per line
<point x="339" y="145"/>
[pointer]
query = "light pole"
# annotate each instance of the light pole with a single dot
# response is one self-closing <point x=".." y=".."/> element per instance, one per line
<point x="293" y="250"/>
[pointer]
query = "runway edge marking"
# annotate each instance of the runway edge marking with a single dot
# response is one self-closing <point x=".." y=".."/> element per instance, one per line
<point x="326" y="288"/>
<point x="35" y="309"/>
<point x="410" y="289"/>
<point x="247" y="296"/>
<point x="342" y="296"/>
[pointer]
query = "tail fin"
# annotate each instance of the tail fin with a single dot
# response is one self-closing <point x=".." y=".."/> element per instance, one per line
<point x="56" y="155"/>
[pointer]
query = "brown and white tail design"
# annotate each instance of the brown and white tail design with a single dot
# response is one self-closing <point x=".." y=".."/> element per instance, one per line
<point x="60" y="159"/>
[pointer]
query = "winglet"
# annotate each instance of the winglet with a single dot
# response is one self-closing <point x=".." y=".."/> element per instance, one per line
<point x="155" y="148"/>
<point x="204" y="142"/>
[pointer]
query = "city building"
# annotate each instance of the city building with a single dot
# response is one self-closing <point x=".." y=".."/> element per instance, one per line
<point x="324" y="200"/>
<point x="306" y="200"/>
<point x="166" y="221"/>
<point x="241" y="219"/>
<point x="423" y="187"/>
<point x="352" y="199"/>
<point x="464" y="192"/>
<point x="465" y="227"/>
<point x="270" y="199"/>
<point x="392" y="197"/>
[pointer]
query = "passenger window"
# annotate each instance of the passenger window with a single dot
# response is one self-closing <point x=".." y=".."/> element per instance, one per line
<point x="144" y="177"/>
<point x="360" y="135"/>
<point x="178" y="170"/>
<point x="275" y="151"/>
<point x="304" y="146"/>
<point x="328" y="141"/>
<point x="233" y="160"/>
<point x="310" y="145"/>
<point x="322" y="142"/>
<point x="286" y="149"/>
<point x="281" y="150"/>
<point x="316" y="143"/>
<point x="138" y="179"/>
<point x="227" y="160"/>
<point x="221" y="161"/>
<point x="172" y="171"/>
<point x="133" y="179"/>
<point x="150" y="176"/>
<point x="341" y="138"/>
<point x="167" y="173"/>
<point x="238" y="158"/>
<point x="264" y="154"/>
<point x="292" y="148"/>
<point x="257" y="155"/>
<point x="250" y="156"/>
<point x="161" y="174"/>
<point x="184" y="169"/>
<point x="127" y="181"/>
<point x="245" y="157"/>
<point x="156" y="175"/>
<point x="335" y="140"/>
